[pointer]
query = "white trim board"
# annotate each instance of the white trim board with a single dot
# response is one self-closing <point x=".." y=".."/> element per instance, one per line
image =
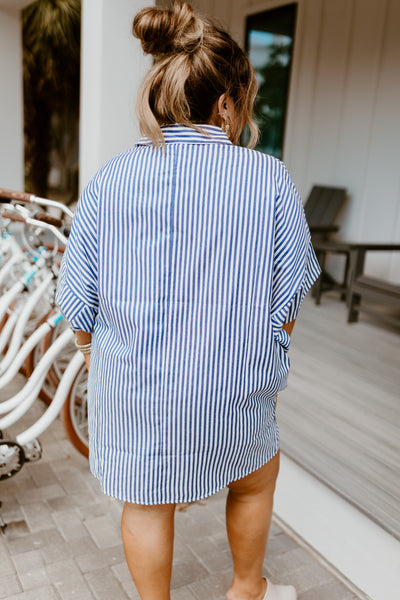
<point x="364" y="553"/>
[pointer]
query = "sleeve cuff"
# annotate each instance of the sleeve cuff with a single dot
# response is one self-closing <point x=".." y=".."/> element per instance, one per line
<point x="290" y="311"/>
<point x="79" y="315"/>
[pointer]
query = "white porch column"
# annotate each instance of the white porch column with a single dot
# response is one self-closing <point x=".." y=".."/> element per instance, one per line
<point x="112" y="68"/>
<point x="11" y="103"/>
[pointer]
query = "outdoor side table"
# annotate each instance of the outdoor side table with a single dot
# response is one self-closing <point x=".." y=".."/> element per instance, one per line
<point x="355" y="253"/>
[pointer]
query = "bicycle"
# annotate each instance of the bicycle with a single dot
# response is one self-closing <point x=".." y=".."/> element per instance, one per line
<point x="42" y="346"/>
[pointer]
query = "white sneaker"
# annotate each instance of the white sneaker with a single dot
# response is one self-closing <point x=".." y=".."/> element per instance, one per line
<point x="280" y="592"/>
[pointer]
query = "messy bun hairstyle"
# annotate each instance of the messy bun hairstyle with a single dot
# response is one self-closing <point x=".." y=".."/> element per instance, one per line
<point x="195" y="63"/>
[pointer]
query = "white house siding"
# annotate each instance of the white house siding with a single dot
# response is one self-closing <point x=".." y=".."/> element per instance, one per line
<point x="11" y="121"/>
<point x="344" y="117"/>
<point x="113" y="67"/>
<point x="343" y="122"/>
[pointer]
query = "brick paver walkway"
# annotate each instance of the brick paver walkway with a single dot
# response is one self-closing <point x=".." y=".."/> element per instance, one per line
<point x="63" y="540"/>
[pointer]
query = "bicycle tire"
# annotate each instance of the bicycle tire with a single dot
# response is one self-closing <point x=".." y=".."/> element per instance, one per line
<point x="73" y="403"/>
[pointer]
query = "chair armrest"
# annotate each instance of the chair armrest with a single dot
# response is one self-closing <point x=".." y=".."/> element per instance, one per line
<point x="371" y="247"/>
<point x="324" y="228"/>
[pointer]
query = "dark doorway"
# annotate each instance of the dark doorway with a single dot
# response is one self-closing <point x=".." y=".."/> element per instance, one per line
<point x="269" y="43"/>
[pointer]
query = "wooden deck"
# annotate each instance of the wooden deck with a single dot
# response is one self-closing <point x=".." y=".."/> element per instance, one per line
<point x="340" y="415"/>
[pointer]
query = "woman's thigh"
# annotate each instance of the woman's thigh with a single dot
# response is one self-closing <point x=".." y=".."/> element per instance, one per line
<point x="151" y="512"/>
<point x="259" y="481"/>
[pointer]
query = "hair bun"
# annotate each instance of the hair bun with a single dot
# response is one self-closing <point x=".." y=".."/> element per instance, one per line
<point x="166" y="31"/>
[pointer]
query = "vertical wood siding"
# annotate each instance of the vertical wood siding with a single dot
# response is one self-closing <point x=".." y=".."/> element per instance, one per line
<point x="343" y="123"/>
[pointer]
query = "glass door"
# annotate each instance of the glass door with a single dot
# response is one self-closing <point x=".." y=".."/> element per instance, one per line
<point x="269" y="43"/>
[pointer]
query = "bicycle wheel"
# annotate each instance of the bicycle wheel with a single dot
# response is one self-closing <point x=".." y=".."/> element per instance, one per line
<point x="75" y="413"/>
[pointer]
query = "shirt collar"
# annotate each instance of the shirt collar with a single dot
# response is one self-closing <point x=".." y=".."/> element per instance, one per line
<point x="175" y="134"/>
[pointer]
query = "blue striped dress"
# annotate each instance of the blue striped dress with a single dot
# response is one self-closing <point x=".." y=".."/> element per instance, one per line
<point x="185" y="263"/>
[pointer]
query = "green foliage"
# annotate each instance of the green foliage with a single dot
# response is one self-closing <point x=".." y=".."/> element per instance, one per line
<point x="51" y="54"/>
<point x="270" y="105"/>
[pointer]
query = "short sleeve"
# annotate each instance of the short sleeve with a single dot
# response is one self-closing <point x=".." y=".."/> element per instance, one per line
<point x="77" y="295"/>
<point x="295" y="267"/>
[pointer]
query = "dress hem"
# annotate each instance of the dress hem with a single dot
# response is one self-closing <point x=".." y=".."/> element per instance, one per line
<point x="190" y="499"/>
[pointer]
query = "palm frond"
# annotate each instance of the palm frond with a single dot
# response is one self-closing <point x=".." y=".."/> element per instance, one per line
<point x="52" y="25"/>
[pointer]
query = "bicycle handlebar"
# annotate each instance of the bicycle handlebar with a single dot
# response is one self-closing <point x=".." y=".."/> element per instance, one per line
<point x="19" y="213"/>
<point x="42" y="217"/>
<point x="12" y="216"/>
<point x="11" y="195"/>
<point x="48" y="219"/>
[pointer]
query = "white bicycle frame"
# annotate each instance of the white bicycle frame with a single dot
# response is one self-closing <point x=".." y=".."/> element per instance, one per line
<point x="33" y="340"/>
<point x="30" y="434"/>
<point x="10" y="295"/>
<point x="21" y="402"/>
<point x="14" y="408"/>
<point x="7" y="330"/>
<point x="21" y="321"/>
<point x="8" y="267"/>
<point x="11" y="254"/>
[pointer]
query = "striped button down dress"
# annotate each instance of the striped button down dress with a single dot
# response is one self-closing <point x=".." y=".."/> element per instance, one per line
<point x="185" y="263"/>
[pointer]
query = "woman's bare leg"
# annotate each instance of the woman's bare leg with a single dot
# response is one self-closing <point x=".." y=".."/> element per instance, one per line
<point x="248" y="519"/>
<point x="148" y="538"/>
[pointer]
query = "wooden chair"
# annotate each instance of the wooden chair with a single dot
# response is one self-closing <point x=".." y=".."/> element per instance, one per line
<point x="322" y="207"/>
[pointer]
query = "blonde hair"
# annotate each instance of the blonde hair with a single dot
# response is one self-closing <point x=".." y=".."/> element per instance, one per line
<point x="195" y="63"/>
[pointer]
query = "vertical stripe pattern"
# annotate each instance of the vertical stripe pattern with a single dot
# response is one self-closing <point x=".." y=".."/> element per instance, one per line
<point x="185" y="263"/>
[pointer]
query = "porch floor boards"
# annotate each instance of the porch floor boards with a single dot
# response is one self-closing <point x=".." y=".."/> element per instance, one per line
<point x="339" y="417"/>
